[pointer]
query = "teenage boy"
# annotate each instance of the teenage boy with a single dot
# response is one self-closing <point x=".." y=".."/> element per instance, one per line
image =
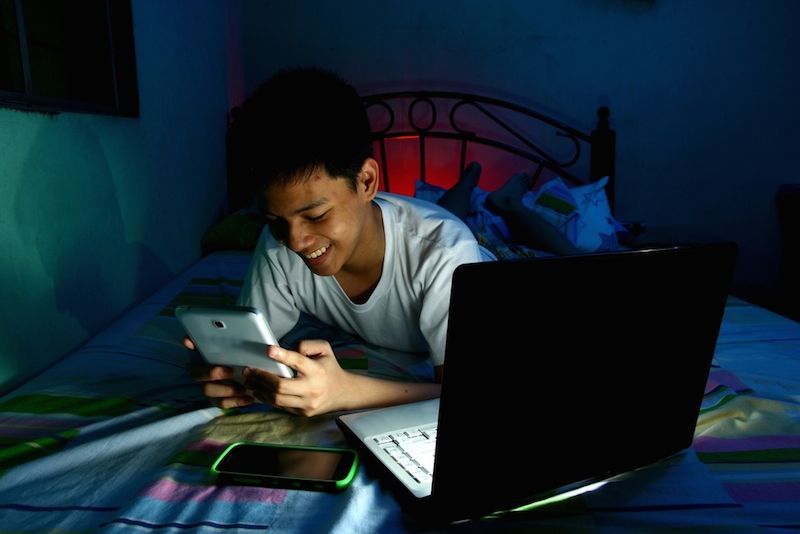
<point x="370" y="263"/>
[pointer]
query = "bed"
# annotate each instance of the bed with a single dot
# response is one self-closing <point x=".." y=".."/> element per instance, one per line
<point x="116" y="437"/>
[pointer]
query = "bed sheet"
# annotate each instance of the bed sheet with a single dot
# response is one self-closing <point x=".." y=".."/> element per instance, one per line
<point x="116" y="437"/>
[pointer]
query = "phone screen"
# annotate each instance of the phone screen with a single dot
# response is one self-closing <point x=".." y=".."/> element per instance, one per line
<point x="287" y="462"/>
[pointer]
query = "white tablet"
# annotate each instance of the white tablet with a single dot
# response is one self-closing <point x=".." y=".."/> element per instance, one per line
<point x="235" y="336"/>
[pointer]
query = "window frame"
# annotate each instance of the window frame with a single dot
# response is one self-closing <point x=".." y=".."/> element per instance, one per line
<point x="124" y="82"/>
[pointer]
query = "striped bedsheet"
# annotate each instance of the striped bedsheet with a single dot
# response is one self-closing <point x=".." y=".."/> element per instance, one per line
<point x="116" y="437"/>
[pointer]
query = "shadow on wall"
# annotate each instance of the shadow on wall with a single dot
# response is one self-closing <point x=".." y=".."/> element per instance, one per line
<point x="68" y="211"/>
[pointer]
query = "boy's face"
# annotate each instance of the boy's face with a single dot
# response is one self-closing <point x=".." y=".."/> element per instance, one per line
<point x="322" y="220"/>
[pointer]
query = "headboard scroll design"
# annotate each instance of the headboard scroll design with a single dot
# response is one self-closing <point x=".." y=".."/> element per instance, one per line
<point x="471" y="120"/>
<point x="475" y="119"/>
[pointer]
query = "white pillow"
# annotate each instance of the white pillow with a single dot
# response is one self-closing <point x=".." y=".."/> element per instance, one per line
<point x="581" y="213"/>
<point x="597" y="228"/>
<point x="428" y="192"/>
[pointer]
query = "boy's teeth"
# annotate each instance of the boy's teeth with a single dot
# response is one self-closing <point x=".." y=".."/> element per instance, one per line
<point x="317" y="253"/>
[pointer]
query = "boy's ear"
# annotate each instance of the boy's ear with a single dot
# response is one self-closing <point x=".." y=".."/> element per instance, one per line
<point x="369" y="178"/>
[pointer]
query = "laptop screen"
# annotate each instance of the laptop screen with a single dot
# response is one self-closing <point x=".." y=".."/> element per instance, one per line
<point x="550" y="362"/>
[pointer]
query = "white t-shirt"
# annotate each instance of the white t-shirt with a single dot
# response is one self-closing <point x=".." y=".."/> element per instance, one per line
<point x="408" y="309"/>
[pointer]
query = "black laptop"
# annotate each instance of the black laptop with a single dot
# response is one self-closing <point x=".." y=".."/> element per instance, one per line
<point x="550" y="365"/>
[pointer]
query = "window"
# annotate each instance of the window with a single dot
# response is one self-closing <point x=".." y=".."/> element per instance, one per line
<point x="68" y="56"/>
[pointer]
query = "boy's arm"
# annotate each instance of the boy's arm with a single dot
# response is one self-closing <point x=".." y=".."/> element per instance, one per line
<point x="370" y="392"/>
<point x="322" y="386"/>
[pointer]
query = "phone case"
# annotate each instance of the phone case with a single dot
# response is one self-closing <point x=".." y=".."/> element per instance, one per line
<point x="268" y="464"/>
<point x="235" y="336"/>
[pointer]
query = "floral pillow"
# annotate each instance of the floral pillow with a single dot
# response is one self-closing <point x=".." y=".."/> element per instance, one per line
<point x="581" y="213"/>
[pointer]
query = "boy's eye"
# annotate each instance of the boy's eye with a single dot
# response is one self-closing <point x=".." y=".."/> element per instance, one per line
<point x="318" y="217"/>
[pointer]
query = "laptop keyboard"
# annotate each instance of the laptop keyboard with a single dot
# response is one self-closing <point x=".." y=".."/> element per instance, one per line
<point x="412" y="449"/>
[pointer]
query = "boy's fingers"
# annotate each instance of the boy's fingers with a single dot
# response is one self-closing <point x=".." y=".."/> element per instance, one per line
<point x="205" y="373"/>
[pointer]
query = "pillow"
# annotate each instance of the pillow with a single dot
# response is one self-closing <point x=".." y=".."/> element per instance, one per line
<point x="597" y="228"/>
<point x="581" y="213"/>
<point x="238" y="231"/>
<point x="428" y="192"/>
<point x="555" y="203"/>
<point x="479" y="218"/>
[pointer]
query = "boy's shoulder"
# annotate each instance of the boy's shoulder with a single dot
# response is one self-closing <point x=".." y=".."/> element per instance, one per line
<point x="411" y="206"/>
<point x="421" y="221"/>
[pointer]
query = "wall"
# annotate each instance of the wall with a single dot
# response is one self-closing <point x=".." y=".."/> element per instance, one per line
<point x="702" y="94"/>
<point x="96" y="212"/>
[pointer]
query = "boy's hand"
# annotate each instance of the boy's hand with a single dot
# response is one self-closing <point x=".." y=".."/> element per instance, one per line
<point x="219" y="384"/>
<point x="319" y="384"/>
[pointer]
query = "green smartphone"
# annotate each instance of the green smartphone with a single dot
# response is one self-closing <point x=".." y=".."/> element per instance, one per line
<point x="286" y="466"/>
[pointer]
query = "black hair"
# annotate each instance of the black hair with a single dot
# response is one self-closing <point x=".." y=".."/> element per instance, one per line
<point x="298" y="120"/>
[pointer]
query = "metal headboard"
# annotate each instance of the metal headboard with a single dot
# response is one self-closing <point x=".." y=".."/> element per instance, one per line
<point x="470" y="119"/>
<point x="487" y="121"/>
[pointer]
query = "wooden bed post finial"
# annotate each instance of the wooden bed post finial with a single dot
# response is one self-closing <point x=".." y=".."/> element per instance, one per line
<point x="604" y="141"/>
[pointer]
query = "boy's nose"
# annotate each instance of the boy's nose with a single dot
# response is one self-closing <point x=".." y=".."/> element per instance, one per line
<point x="298" y="239"/>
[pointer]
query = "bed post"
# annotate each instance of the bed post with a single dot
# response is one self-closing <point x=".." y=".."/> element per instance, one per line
<point x="604" y="142"/>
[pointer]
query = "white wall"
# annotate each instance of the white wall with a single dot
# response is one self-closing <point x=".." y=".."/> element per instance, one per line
<point x="702" y="94"/>
<point x="95" y="211"/>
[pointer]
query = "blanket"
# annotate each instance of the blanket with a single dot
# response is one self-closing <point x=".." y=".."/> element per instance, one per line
<point x="116" y="437"/>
